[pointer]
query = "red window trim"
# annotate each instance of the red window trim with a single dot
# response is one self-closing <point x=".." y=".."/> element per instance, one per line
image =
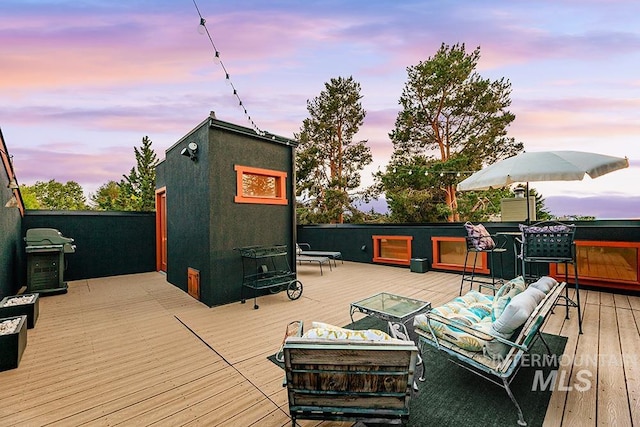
<point x="281" y="179"/>
<point x="400" y="261"/>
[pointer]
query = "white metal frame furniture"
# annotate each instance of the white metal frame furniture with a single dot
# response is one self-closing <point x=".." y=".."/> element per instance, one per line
<point x="499" y="371"/>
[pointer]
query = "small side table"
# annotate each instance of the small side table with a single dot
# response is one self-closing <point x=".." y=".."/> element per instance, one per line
<point x="390" y="307"/>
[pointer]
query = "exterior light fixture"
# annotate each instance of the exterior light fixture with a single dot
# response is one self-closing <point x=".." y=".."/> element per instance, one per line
<point x="190" y="151"/>
<point x="13" y="184"/>
<point x="12" y="203"/>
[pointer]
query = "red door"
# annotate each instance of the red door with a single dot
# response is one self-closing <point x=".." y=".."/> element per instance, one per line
<point x="161" y="230"/>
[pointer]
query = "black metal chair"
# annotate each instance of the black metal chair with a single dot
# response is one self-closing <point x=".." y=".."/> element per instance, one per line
<point x="552" y="242"/>
<point x="476" y="245"/>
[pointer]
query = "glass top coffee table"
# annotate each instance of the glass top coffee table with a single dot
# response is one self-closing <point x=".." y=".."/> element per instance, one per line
<point x="390" y="307"/>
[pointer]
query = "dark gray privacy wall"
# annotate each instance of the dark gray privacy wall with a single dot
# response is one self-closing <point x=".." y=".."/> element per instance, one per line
<point x="107" y="243"/>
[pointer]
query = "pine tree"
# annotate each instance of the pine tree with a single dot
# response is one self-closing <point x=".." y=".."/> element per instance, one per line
<point x="451" y="119"/>
<point x="137" y="190"/>
<point x="328" y="161"/>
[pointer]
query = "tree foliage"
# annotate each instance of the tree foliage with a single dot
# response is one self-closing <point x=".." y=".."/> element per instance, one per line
<point x="328" y="161"/>
<point x="137" y="189"/>
<point x="451" y="120"/>
<point x="54" y="195"/>
<point x="107" y="197"/>
<point x="29" y="197"/>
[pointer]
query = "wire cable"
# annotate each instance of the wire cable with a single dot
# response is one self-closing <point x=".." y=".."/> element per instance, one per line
<point x="216" y="57"/>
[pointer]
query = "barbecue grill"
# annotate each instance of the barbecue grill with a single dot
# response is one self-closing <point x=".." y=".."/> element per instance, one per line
<point x="45" y="249"/>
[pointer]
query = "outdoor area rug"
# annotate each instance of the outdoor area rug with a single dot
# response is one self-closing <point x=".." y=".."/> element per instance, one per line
<point x="453" y="396"/>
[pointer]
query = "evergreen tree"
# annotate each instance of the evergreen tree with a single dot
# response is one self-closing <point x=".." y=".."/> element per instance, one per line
<point x="451" y="119"/>
<point x="137" y="190"/>
<point x="328" y="161"/>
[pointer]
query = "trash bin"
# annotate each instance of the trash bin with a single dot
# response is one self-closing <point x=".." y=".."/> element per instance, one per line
<point x="419" y="265"/>
<point x="45" y="260"/>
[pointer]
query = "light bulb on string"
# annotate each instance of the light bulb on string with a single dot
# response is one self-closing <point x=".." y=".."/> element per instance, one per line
<point x="426" y="173"/>
<point x="458" y="174"/>
<point x="201" y="27"/>
<point x="441" y="174"/>
<point x="410" y="172"/>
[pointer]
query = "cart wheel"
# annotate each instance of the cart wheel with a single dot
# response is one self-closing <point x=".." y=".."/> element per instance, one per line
<point x="294" y="290"/>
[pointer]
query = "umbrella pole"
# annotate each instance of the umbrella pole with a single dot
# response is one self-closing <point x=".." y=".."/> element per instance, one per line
<point x="528" y="214"/>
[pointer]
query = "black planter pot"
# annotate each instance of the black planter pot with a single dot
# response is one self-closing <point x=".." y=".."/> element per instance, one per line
<point x="12" y="345"/>
<point x="30" y="310"/>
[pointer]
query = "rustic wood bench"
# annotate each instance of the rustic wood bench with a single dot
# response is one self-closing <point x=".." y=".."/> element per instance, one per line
<point x="349" y="380"/>
<point x="500" y="371"/>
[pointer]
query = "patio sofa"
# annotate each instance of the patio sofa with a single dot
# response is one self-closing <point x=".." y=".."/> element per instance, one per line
<point x="339" y="374"/>
<point x="490" y="334"/>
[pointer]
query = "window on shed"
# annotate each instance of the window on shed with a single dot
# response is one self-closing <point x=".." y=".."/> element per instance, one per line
<point x="256" y="185"/>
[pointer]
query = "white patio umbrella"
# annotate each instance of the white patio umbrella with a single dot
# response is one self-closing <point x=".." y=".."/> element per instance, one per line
<point x="542" y="166"/>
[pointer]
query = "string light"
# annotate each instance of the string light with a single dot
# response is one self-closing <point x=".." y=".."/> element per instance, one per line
<point x="202" y="29"/>
<point x="410" y="170"/>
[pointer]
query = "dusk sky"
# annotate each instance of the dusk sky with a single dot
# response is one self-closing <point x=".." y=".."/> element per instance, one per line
<point x="84" y="81"/>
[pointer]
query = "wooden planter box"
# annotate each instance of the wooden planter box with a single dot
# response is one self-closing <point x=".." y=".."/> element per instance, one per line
<point x="30" y="310"/>
<point x="12" y="345"/>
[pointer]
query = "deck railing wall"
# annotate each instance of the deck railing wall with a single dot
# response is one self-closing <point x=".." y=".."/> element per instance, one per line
<point x="115" y="243"/>
<point x="356" y="241"/>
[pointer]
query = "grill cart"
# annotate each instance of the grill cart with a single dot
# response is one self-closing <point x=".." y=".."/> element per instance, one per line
<point x="267" y="267"/>
<point x="45" y="249"/>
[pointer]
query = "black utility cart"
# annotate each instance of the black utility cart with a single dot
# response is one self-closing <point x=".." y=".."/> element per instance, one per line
<point x="267" y="267"/>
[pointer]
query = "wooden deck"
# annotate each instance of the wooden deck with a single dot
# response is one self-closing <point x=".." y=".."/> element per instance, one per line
<point x="135" y="350"/>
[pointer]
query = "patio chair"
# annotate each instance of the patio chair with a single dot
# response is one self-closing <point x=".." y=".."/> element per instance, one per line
<point x="552" y="242"/>
<point x="335" y="374"/>
<point x="305" y="250"/>
<point x="478" y="240"/>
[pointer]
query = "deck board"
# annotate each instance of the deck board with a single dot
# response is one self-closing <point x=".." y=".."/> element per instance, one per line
<point x="135" y="350"/>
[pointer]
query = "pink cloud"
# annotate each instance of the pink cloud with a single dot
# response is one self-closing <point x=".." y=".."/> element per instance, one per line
<point x="63" y="164"/>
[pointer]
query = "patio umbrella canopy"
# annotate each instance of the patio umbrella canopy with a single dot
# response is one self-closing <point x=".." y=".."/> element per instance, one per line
<point x="543" y="166"/>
